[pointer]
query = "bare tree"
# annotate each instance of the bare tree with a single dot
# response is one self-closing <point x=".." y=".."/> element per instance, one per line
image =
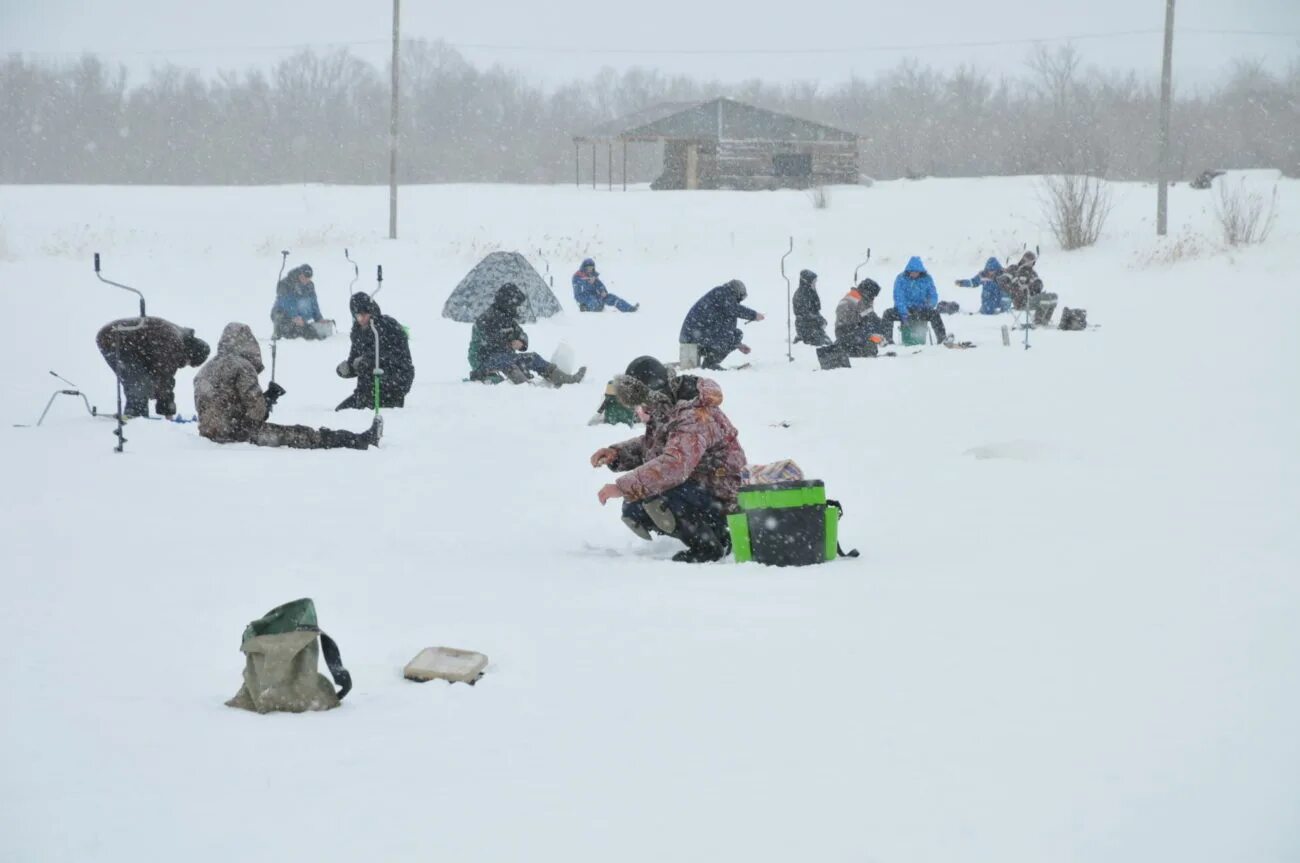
<point x="1075" y="207"/>
<point x="1245" y="216"/>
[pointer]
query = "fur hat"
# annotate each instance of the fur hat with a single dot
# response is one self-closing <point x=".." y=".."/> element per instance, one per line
<point x="629" y="391"/>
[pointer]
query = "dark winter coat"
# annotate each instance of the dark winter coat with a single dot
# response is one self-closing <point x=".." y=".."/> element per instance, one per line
<point x="918" y="293"/>
<point x="809" y="325"/>
<point x="686" y="440"/>
<point x="856" y="321"/>
<point x="394" y="353"/>
<point x="294" y="300"/>
<point x="711" y="322"/>
<point x="152" y="349"/>
<point x="229" y="399"/>
<point x="498" y="326"/>
<point x="1020" y="281"/>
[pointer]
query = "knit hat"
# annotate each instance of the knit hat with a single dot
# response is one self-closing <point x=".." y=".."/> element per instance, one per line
<point x="806" y="277"/>
<point x="305" y="270"/>
<point x="629" y="391"/>
<point x="738" y="288"/>
<point x="868" y="289"/>
<point x="649" y="371"/>
<point x="362" y="303"/>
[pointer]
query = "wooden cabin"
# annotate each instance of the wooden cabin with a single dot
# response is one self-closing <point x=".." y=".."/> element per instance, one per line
<point x="725" y="144"/>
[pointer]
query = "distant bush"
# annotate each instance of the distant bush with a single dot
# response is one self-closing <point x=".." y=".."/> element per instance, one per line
<point x="1245" y="216"/>
<point x="1076" y="207"/>
<point x="820" y="197"/>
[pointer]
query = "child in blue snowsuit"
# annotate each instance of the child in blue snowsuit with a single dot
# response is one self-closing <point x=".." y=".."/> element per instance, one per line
<point x="591" y="294"/>
<point x="992" y="300"/>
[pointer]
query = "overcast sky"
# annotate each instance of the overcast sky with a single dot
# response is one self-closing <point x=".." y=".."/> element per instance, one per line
<point x="553" y="41"/>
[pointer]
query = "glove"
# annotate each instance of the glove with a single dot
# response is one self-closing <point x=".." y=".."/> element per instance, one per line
<point x="273" y="393"/>
<point x="345" y="370"/>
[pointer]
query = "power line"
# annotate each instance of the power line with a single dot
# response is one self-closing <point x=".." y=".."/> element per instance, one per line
<point x="707" y="52"/>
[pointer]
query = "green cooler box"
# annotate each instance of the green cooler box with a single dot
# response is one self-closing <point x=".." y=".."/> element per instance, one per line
<point x="784" y="524"/>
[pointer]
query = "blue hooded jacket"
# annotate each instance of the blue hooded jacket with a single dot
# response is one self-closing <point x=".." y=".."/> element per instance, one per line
<point x="914" y="293"/>
<point x="589" y="294"/>
<point x="711" y="322"/>
<point x="991" y="296"/>
<point x="296" y="300"/>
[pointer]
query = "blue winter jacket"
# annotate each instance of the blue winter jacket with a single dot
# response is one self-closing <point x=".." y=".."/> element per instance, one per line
<point x="298" y="301"/>
<point x="991" y="297"/>
<point x="914" y="293"/>
<point x="711" y="322"/>
<point x="590" y="295"/>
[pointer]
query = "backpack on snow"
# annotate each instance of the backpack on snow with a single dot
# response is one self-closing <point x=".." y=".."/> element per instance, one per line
<point x="281" y="654"/>
<point x="788" y="523"/>
<point x="1074" y="319"/>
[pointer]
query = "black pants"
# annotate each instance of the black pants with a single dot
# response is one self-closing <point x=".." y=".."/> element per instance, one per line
<point x="811" y="332"/>
<point x="392" y="394"/>
<point x="700" y="522"/>
<point x="306" y="437"/>
<point x="285" y="328"/>
<point x="930" y="316"/>
<point x="139" y="385"/>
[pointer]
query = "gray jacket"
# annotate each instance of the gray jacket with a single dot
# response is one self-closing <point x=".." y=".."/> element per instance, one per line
<point x="230" y="401"/>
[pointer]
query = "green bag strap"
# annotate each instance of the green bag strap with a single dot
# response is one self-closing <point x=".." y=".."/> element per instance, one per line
<point x="330" y="650"/>
<point x="839" y="548"/>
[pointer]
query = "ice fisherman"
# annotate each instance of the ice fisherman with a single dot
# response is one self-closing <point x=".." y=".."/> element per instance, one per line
<point x="681" y="477"/>
<point x="234" y="409"/>
<point x="1021" y="283"/>
<point x="145" y="354"/>
<point x="992" y="299"/>
<point x="858" y="329"/>
<point x="915" y="298"/>
<point x="809" y="325"/>
<point x="296" y="308"/>
<point x="590" y="292"/>
<point x="498" y="345"/>
<point x="711" y="323"/>
<point x="397" y="371"/>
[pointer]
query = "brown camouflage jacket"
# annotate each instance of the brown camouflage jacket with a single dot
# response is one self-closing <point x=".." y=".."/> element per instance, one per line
<point x="230" y="401"/>
<point x="688" y="441"/>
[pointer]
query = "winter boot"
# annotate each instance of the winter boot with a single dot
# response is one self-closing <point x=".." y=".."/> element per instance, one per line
<point x="702" y="544"/>
<point x="340" y="439"/>
<point x="373" y="434"/>
<point x="516" y="375"/>
<point x="559" y="378"/>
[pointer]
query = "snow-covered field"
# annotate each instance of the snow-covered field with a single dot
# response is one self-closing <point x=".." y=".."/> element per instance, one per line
<point x="1071" y="635"/>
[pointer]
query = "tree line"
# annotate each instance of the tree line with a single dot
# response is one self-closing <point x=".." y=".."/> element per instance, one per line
<point x="324" y="117"/>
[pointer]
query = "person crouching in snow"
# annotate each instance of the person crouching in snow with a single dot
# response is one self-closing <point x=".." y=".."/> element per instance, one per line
<point x="711" y="323"/>
<point x="499" y="345"/>
<point x="397" y="369"/>
<point x="992" y="300"/>
<point x="146" y="354"/>
<point x="809" y="325"/>
<point x="683" y="474"/>
<point x="296" y="306"/>
<point x="233" y="408"/>
<point x="591" y="294"/>
<point x="858" y="329"/>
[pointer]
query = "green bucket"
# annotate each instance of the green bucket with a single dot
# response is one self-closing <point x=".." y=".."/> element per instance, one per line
<point x="914" y="332"/>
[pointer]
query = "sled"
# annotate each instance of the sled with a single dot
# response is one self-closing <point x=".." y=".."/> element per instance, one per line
<point x="446" y="663"/>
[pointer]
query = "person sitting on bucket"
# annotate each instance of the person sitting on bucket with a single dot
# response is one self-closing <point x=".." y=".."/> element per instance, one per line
<point x="683" y="474"/>
<point x="145" y="354"/>
<point x="915" y="298"/>
<point x="992" y="300"/>
<point x="296" y="307"/>
<point x="499" y="345"/>
<point x="809" y="325"/>
<point x="590" y="292"/>
<point x="711" y="323"/>
<point x="398" y="370"/>
<point x="233" y="408"/>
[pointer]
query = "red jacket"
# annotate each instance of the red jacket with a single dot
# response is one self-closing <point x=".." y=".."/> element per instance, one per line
<point x="688" y="441"/>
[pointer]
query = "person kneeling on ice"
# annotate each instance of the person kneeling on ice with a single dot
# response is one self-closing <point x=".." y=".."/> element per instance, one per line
<point x="915" y="298"/>
<point x="498" y="345"/>
<point x="397" y="372"/>
<point x="992" y="300"/>
<point x="145" y="354"/>
<point x="711" y="323"/>
<point x="591" y="294"/>
<point x="683" y="474"/>
<point x="858" y="329"/>
<point x="296" y="308"/>
<point x="809" y="325"/>
<point x="233" y="408"/>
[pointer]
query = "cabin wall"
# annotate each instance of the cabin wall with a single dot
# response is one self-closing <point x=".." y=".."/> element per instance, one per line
<point x="754" y="164"/>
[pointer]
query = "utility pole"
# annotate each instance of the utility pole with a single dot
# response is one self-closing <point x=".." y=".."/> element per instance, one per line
<point x="392" y="131"/>
<point x="1166" y="85"/>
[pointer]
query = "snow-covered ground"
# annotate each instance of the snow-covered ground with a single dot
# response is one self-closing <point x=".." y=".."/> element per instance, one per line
<point x="1071" y="634"/>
